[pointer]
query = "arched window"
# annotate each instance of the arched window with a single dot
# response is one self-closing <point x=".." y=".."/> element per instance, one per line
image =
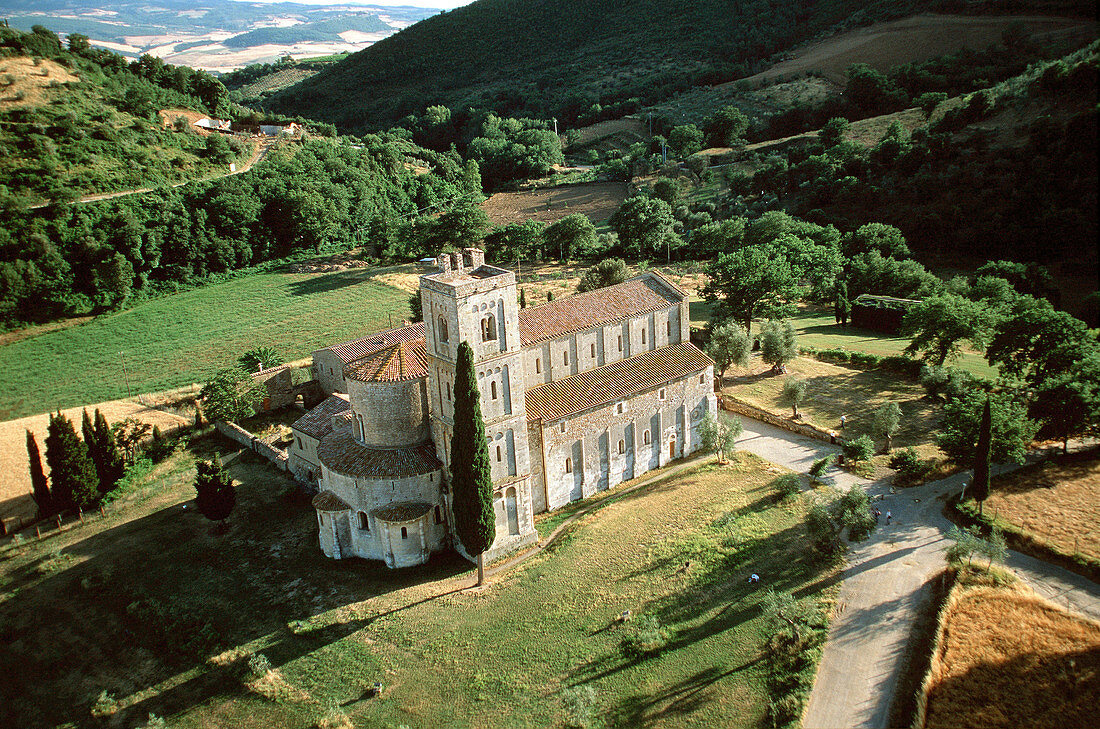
<point x="538" y="365"/>
<point x="668" y="328"/>
<point x="364" y="524"/>
<point x="622" y="446"/>
<point x="493" y="389"/>
<point x="569" y="465"/>
<point x="645" y="437"/>
<point x="592" y="349"/>
<point x="488" y="328"/>
<point x="565" y="357"/>
<point x="498" y="454"/>
<point x="620" y="342"/>
<point x="404" y="533"/>
<point x="448" y="391"/>
<point x="442" y="329"/>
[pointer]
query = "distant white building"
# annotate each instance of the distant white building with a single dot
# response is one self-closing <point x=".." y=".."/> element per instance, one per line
<point x="214" y="125"/>
<point x="274" y="130"/>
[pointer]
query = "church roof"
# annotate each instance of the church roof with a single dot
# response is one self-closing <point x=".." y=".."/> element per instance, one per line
<point x="340" y="452"/>
<point x="615" y="381"/>
<point x="639" y="295"/>
<point x="401" y="511"/>
<point x="317" y="423"/>
<point x="351" y="351"/>
<point x="399" y="362"/>
<point x="328" y="501"/>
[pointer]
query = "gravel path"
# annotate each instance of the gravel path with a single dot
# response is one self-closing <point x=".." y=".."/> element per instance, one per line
<point x="887" y="584"/>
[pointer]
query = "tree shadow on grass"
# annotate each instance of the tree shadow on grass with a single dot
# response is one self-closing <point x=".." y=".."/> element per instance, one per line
<point x="325" y="282"/>
<point x="679" y="699"/>
<point x="135" y="605"/>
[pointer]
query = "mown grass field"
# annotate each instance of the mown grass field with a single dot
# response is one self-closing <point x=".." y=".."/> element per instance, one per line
<point x="1009" y="658"/>
<point x="153" y="608"/>
<point x="184" y="338"/>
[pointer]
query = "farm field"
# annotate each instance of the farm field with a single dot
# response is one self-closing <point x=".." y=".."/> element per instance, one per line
<point x="1057" y="501"/>
<point x="184" y="338"/>
<point x="598" y="201"/>
<point x="1009" y="658"/>
<point x="152" y="608"/>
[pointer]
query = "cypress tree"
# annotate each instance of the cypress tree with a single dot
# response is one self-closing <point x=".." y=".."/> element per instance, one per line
<point x="980" y="484"/>
<point x="40" y="487"/>
<point x="471" y="474"/>
<point x="842" y="308"/>
<point x="216" y="496"/>
<point x="523" y="298"/>
<point x="71" y="469"/>
<point x="110" y="464"/>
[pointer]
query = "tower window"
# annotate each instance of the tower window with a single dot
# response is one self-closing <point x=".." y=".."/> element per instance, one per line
<point x="569" y="465"/>
<point x="661" y="393"/>
<point x="622" y="446"/>
<point x="702" y="379"/>
<point x="593" y="347"/>
<point x="619" y="408"/>
<point x="565" y="357"/>
<point x="645" y="437"/>
<point x="493" y="389"/>
<point x="488" y="328"/>
<point x="448" y="392"/>
<point x="442" y="329"/>
<point x="538" y="365"/>
<point x="643" y="335"/>
<point x="404" y="532"/>
<point x="668" y="328"/>
<point x="620" y="342"/>
<point x="499" y="459"/>
<point x="563" y="426"/>
<point x="364" y="524"/>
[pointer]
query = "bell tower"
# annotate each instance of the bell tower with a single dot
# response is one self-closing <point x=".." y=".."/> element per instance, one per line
<point x="467" y="300"/>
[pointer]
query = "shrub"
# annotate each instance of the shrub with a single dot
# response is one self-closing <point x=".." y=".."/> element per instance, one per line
<point x="859" y="449"/>
<point x="910" y="466"/>
<point x="946" y="383"/>
<point x="864" y="359"/>
<point x="648" y="638"/>
<point x="906" y="366"/>
<point x="788" y="485"/>
<point x="579" y="704"/>
<point x="817" y="470"/>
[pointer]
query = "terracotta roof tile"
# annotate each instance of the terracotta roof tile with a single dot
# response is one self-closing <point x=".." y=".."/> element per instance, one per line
<point x="340" y="452"/>
<point x="614" y="381"/>
<point x="317" y="423"/>
<point x="401" y="511"/>
<point x="397" y="363"/>
<point x="351" y="351"/>
<point x="328" y="501"/>
<point x="639" y="295"/>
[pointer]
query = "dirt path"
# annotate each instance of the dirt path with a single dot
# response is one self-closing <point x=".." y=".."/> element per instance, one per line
<point x="887" y="583"/>
<point x="259" y="152"/>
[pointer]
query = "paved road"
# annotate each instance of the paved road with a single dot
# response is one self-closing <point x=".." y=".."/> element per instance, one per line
<point x="886" y="584"/>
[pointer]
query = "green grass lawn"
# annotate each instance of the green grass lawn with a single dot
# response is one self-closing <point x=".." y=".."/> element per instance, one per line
<point x="183" y="338"/>
<point x="153" y="608"/>
<point x="817" y="328"/>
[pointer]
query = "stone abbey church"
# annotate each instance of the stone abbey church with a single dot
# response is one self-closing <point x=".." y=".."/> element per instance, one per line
<point x="577" y="395"/>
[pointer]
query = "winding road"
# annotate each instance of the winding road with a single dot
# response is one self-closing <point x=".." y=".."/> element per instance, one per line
<point x="887" y="583"/>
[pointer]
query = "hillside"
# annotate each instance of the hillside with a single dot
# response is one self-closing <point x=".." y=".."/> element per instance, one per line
<point x="76" y="123"/>
<point x="572" y="58"/>
<point x="560" y="57"/>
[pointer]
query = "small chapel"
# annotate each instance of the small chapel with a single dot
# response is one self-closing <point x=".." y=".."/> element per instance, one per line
<point x="578" y="395"/>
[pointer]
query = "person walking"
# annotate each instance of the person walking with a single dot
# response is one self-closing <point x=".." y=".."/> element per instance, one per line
<point x="889" y="516"/>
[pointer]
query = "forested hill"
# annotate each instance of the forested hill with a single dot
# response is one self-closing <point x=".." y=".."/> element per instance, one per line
<point x="560" y="58"/>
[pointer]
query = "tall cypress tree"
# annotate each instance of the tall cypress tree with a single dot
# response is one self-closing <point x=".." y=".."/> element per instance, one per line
<point x="108" y="458"/>
<point x="980" y="485"/>
<point x="471" y="473"/>
<point x="71" y="469"/>
<point x="40" y="487"/>
<point x="842" y="307"/>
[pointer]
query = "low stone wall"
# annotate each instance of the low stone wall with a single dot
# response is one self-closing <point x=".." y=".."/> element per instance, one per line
<point x="733" y="405"/>
<point x="235" y="432"/>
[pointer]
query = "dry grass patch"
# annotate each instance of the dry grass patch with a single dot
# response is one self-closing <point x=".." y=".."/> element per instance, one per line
<point x="1008" y="658"/>
<point x="25" y="81"/>
<point x="598" y="201"/>
<point x="833" y="391"/>
<point x="1057" y="501"/>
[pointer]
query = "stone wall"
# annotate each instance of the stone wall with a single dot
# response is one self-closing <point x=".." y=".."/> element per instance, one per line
<point x="741" y="407"/>
<point x="277" y="456"/>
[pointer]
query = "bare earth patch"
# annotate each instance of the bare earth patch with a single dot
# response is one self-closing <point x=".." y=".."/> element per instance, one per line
<point x="598" y="201"/>
<point x="599" y="130"/>
<point x="1057" y="500"/>
<point x="1009" y="658"/>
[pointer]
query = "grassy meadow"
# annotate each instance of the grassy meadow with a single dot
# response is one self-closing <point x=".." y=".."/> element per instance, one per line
<point x="149" y="606"/>
<point x="1007" y="657"/>
<point x="184" y="338"/>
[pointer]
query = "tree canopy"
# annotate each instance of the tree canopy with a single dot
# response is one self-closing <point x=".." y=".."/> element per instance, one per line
<point x="747" y="283"/>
